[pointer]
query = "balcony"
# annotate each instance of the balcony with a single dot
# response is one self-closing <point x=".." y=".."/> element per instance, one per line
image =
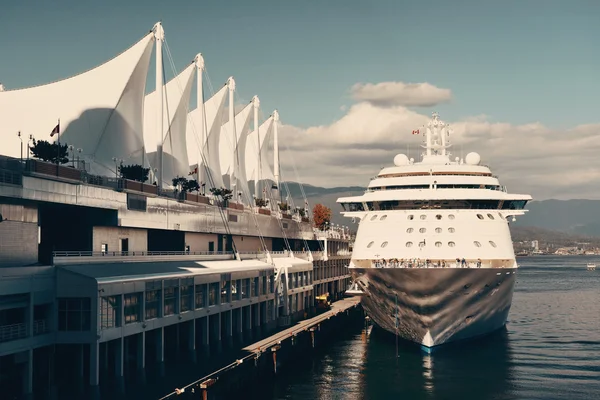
<point x="19" y="331"/>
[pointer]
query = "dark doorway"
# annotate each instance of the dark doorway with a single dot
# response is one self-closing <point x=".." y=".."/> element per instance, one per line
<point x="211" y="246"/>
<point x="125" y="245"/>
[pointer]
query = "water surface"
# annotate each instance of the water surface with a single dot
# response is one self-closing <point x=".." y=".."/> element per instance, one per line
<point x="549" y="350"/>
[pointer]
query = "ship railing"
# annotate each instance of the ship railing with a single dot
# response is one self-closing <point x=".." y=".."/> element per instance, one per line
<point x="435" y="264"/>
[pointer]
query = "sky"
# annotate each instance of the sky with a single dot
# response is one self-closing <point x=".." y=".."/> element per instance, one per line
<point x="517" y="80"/>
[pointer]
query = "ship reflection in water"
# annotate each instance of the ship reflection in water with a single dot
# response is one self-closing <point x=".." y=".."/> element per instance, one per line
<point x="480" y="370"/>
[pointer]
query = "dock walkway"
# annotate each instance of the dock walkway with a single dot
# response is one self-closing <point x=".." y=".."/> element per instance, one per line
<point x="271" y="342"/>
<point x="336" y="307"/>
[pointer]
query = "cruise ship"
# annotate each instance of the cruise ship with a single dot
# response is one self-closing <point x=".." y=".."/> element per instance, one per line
<point x="433" y="252"/>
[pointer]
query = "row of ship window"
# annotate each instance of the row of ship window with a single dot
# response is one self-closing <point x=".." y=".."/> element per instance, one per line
<point x="437" y="230"/>
<point x="437" y="244"/>
<point x="438" y="216"/>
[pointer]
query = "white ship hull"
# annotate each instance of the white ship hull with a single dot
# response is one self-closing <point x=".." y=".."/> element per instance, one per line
<point x="435" y="306"/>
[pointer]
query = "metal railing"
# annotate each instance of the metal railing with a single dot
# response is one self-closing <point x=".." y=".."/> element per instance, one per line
<point x="40" y="327"/>
<point x="434" y="264"/>
<point x="13" y="332"/>
<point x="138" y="253"/>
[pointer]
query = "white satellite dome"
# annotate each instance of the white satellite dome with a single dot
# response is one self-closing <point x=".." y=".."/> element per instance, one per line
<point x="473" y="158"/>
<point x="400" y="160"/>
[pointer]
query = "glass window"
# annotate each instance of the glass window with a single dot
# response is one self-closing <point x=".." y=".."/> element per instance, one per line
<point x="213" y="292"/>
<point x="132" y="307"/>
<point x="477" y="244"/>
<point x="409" y="244"/>
<point x="438" y="230"/>
<point x="492" y="244"/>
<point x="422" y="244"/>
<point x="479" y="216"/>
<point x="451" y="230"/>
<point x="451" y="244"/>
<point x="170" y="296"/>
<point x="110" y="312"/>
<point x="263" y="289"/>
<point x="409" y="230"/>
<point x="411" y="217"/>
<point x="200" y="293"/>
<point x="438" y="244"/>
<point x="423" y="216"/>
<point x="451" y="216"/>
<point x="383" y="217"/>
<point x="245" y="288"/>
<point x="187" y="294"/>
<point x="374" y="217"/>
<point x="500" y="215"/>
<point x="422" y="230"/>
<point x="152" y="303"/>
<point x="439" y="216"/>
<point x="225" y="291"/>
<point x="370" y="244"/>
<point x="490" y="216"/>
<point x="384" y="244"/>
<point x="74" y="314"/>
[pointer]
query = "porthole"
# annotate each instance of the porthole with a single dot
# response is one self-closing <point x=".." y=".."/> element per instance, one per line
<point x="409" y="230"/>
<point x="477" y="244"/>
<point x="439" y="216"/>
<point x="370" y="245"/>
<point x="493" y="244"/>
<point x="490" y="216"/>
<point x="384" y="244"/>
<point x="423" y="216"/>
<point x="500" y="215"/>
<point x="451" y="244"/>
<point x="422" y="230"/>
<point x="451" y="230"/>
<point x="373" y="217"/>
<point x="383" y="217"/>
<point x="479" y="216"/>
<point x="422" y="244"/>
<point x="409" y="244"/>
<point x="411" y="217"/>
<point x="450" y="216"/>
<point x="438" y="230"/>
<point x="438" y="244"/>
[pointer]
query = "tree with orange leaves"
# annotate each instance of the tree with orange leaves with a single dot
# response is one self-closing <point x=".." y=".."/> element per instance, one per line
<point x="322" y="216"/>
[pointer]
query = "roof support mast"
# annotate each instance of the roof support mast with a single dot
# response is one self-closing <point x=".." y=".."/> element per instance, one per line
<point x="159" y="35"/>
<point x="276" y="149"/>
<point x="233" y="134"/>
<point x="200" y="104"/>
<point x="256" y="105"/>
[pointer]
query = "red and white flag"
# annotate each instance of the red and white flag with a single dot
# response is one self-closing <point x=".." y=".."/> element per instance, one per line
<point x="415" y="132"/>
<point x="55" y="130"/>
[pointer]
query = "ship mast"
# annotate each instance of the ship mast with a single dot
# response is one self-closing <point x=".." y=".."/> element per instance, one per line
<point x="437" y="137"/>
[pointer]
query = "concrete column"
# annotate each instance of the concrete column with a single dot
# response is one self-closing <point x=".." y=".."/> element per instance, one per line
<point x="228" y="327"/>
<point x="94" y="364"/>
<point x="141" y="350"/>
<point x="239" y="319"/>
<point x="28" y="375"/>
<point x="192" y="340"/>
<point x="119" y="357"/>
<point x="205" y="335"/>
<point x="160" y="344"/>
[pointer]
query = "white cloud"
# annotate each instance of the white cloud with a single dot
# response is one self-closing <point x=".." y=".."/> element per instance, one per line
<point x="389" y="94"/>
<point x="530" y="158"/>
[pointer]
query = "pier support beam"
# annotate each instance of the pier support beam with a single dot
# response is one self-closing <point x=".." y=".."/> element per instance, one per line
<point x="141" y="356"/>
<point x="94" y="364"/>
<point x="119" y="363"/>
<point x="192" y="340"/>
<point x="160" y="349"/>
<point x="205" y="335"/>
<point x="28" y="375"/>
<point x="228" y="315"/>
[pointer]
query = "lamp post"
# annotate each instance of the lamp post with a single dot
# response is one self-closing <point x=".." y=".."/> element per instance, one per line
<point x="116" y="160"/>
<point x="71" y="148"/>
<point x="29" y="148"/>
<point x="21" y="139"/>
<point x="79" y="150"/>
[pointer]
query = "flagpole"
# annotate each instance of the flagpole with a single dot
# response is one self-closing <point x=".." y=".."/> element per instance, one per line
<point x="58" y="155"/>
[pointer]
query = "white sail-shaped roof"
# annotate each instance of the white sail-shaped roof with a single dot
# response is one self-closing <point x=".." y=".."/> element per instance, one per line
<point x="242" y="121"/>
<point x="252" y="150"/>
<point x="99" y="110"/>
<point x="213" y="117"/>
<point x="176" y="97"/>
<point x="228" y="143"/>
